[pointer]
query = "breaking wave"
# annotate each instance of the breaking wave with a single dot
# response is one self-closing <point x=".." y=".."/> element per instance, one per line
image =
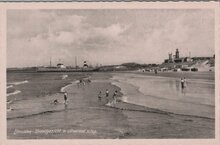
<point x="18" y="83"/>
<point x="10" y="86"/>
<point x="62" y="90"/>
<point x="64" y="77"/>
<point x="14" y="93"/>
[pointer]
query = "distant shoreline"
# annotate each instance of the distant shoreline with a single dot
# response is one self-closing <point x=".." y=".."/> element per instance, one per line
<point x="188" y="75"/>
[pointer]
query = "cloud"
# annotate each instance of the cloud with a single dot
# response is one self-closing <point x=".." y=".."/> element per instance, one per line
<point x="144" y="36"/>
<point x="79" y="34"/>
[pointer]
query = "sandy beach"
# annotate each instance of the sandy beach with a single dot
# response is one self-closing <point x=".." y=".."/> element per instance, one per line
<point x="85" y="117"/>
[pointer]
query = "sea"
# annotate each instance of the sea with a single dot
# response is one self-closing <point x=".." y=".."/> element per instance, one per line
<point x="30" y="93"/>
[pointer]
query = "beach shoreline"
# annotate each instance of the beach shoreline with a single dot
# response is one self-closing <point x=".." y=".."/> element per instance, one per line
<point x="124" y="120"/>
<point x="170" y="74"/>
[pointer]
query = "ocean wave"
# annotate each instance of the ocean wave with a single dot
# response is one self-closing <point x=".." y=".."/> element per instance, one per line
<point x="64" y="77"/>
<point x="10" y="86"/>
<point x="75" y="82"/>
<point x="13" y="93"/>
<point x="62" y="90"/>
<point x="9" y="102"/>
<point x="18" y="83"/>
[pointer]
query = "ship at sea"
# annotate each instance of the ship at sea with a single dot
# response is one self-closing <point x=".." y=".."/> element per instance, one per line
<point x="60" y="67"/>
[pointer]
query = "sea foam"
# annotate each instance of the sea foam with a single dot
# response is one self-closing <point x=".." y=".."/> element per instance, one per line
<point x="10" y="86"/>
<point x="64" y="77"/>
<point x="18" y="83"/>
<point x="14" y="93"/>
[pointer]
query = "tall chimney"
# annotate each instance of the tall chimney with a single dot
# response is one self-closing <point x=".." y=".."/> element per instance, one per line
<point x="177" y="53"/>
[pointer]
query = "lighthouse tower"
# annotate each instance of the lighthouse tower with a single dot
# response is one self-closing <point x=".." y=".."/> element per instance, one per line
<point x="177" y="53"/>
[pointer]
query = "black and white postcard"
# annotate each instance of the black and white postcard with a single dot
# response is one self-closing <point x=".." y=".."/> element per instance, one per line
<point x="129" y="73"/>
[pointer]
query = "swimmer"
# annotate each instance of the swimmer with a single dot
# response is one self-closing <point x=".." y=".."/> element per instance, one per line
<point x="55" y="101"/>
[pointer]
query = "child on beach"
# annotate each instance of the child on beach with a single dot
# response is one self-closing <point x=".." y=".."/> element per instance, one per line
<point x="65" y="98"/>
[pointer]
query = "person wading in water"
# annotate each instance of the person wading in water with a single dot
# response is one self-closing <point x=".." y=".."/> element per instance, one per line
<point x="182" y="83"/>
<point x="114" y="97"/>
<point x="65" y="98"/>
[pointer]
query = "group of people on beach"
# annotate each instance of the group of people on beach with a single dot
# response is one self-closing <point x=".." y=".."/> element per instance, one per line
<point x="64" y="97"/>
<point x="83" y="82"/>
<point x="114" y="97"/>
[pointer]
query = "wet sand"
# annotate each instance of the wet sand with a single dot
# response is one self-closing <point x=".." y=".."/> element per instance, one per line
<point x="86" y="117"/>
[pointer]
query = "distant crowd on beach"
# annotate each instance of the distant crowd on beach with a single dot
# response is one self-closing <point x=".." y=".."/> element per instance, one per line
<point x="83" y="82"/>
<point x="107" y="97"/>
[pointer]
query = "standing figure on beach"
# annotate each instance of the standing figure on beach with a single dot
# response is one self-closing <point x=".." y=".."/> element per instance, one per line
<point x="106" y="93"/>
<point x="89" y="81"/>
<point x="79" y="83"/>
<point x="65" y="98"/>
<point x="114" y="97"/>
<point x="182" y="83"/>
<point x="100" y="95"/>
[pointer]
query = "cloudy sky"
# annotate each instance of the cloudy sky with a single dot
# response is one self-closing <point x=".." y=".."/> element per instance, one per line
<point x="106" y="36"/>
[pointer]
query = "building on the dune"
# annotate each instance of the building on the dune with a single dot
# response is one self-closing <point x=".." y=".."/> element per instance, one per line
<point x="176" y="58"/>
